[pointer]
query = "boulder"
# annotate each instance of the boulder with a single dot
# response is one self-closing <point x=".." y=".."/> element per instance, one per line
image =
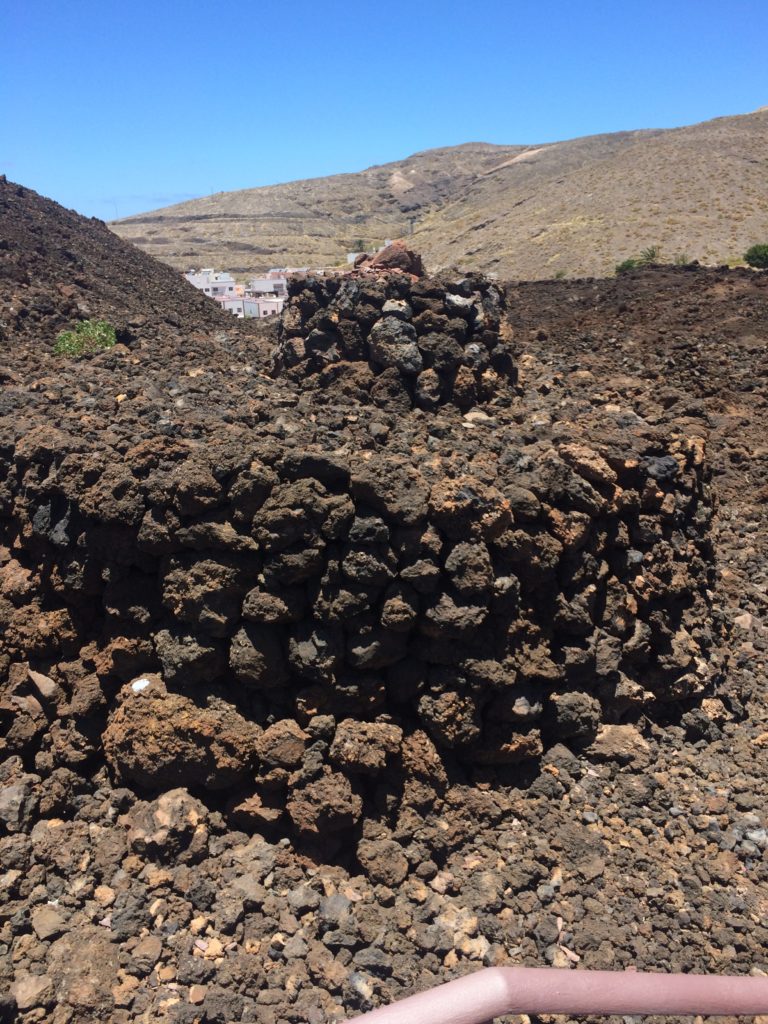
<point x="325" y="805"/>
<point x="161" y="739"/>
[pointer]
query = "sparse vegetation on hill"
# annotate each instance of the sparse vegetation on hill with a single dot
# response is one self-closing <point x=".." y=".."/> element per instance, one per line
<point x="650" y="257"/>
<point x="576" y="207"/>
<point x="647" y="258"/>
<point x="87" y="336"/>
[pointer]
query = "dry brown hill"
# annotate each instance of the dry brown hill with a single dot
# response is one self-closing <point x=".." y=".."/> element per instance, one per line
<point x="313" y="222"/>
<point x="569" y="208"/>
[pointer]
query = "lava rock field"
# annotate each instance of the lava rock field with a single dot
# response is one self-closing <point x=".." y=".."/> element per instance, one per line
<point x="424" y="633"/>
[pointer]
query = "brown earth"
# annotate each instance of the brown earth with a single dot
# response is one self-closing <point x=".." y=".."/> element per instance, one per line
<point x="366" y="858"/>
<point x="536" y="211"/>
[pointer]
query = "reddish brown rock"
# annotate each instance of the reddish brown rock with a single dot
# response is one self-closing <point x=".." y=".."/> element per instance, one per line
<point x="396" y="256"/>
<point x="158" y="738"/>
<point x="364" y="746"/>
<point x="383" y="861"/>
<point x="83" y="965"/>
<point x="622" y="743"/>
<point x="326" y="805"/>
<point x="282" y="745"/>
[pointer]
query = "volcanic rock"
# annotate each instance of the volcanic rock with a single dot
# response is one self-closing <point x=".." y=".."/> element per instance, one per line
<point x="32" y="991"/>
<point x="395" y="256"/>
<point x="173" y="826"/>
<point x="327" y="805"/>
<point x="368" y="632"/>
<point x="63" y="268"/>
<point x="158" y="738"/>
<point x="371" y="327"/>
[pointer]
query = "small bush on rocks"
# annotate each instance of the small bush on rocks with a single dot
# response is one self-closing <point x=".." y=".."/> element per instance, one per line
<point x="757" y="256"/>
<point x="648" y="258"/>
<point x="87" y="336"/>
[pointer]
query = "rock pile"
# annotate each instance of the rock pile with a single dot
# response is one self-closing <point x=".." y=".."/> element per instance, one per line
<point x="403" y="341"/>
<point x="321" y="621"/>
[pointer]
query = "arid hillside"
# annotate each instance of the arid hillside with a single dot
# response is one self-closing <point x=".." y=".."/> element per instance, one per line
<point x="569" y="209"/>
<point x="313" y="222"/>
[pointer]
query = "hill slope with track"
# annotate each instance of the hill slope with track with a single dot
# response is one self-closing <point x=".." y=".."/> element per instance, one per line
<point x="572" y="208"/>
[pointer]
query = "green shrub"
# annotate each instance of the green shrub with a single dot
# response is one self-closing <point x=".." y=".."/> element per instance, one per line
<point x="648" y="257"/>
<point x="87" y="336"/>
<point x="757" y="257"/>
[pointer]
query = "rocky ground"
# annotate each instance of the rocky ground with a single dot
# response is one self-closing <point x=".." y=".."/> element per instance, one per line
<point x="147" y="872"/>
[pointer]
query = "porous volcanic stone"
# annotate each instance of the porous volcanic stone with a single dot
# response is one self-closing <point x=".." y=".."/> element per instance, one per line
<point x="157" y="738"/>
<point x="325" y="585"/>
<point x="416" y="342"/>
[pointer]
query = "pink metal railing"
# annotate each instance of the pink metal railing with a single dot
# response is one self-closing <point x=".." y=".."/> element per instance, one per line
<point x="497" y="991"/>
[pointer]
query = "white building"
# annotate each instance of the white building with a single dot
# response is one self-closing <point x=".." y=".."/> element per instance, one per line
<point x="270" y="305"/>
<point x="265" y="296"/>
<point x="272" y="283"/>
<point x="213" y="283"/>
<point x="270" y="291"/>
<point x="241" y="306"/>
<point x="246" y="307"/>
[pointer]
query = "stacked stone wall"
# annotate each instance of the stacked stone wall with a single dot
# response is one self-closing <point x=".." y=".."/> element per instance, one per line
<point x="294" y="629"/>
<point x="407" y="342"/>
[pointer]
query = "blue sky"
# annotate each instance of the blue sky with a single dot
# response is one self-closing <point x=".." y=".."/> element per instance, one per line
<point x="115" y="108"/>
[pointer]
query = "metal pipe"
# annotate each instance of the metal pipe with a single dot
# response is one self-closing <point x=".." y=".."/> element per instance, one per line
<point x="497" y="991"/>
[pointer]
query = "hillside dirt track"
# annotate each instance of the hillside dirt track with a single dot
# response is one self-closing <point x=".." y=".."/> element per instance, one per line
<point x="124" y="904"/>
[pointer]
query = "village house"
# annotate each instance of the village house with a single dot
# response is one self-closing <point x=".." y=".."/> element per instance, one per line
<point x="264" y="296"/>
<point x="274" y="282"/>
<point x="239" y="305"/>
<point x="213" y="282"/>
<point x="247" y="307"/>
<point x="270" y="305"/>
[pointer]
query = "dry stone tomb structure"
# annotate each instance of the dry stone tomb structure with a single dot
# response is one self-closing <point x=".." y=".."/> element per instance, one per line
<point x="405" y="566"/>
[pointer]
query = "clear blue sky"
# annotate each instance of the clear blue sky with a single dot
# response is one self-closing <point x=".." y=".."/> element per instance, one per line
<point x="117" y="107"/>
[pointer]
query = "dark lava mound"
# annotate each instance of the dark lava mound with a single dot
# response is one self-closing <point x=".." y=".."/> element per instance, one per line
<point x="57" y="267"/>
<point x="328" y="594"/>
